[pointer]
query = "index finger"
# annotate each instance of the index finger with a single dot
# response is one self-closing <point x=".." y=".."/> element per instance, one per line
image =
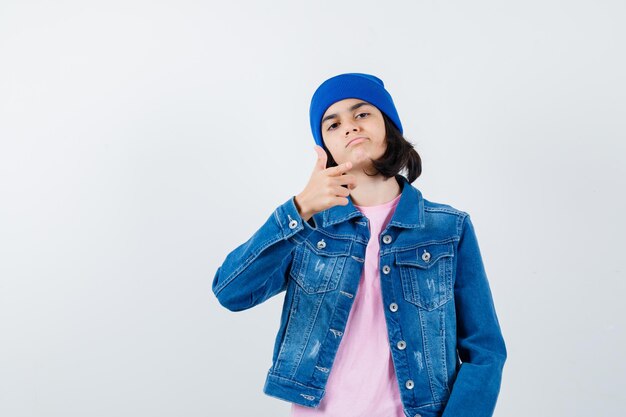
<point x="340" y="169"/>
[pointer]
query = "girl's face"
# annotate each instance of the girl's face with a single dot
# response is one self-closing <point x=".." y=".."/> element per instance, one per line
<point x="354" y="130"/>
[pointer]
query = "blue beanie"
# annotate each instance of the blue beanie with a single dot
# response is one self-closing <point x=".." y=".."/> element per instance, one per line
<point x="351" y="85"/>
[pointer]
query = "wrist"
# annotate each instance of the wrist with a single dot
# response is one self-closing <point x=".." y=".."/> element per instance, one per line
<point x="304" y="212"/>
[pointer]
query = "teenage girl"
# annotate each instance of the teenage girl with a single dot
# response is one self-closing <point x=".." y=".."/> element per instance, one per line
<point x="404" y="324"/>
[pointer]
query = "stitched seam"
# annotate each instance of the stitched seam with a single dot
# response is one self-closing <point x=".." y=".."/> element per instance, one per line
<point x="247" y="263"/>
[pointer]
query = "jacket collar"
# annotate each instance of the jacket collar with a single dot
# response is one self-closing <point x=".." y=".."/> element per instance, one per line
<point x="409" y="212"/>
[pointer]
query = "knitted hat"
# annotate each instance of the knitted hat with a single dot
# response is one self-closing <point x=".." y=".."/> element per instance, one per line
<point x="350" y="85"/>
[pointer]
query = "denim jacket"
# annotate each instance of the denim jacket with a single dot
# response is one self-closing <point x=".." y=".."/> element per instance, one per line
<point x="445" y="339"/>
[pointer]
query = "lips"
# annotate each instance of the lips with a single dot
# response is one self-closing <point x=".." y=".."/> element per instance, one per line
<point x="355" y="139"/>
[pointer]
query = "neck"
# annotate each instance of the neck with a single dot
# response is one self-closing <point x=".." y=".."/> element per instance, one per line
<point x="372" y="191"/>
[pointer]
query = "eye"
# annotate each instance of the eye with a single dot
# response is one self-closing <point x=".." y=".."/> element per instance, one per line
<point x="331" y="126"/>
<point x="366" y="114"/>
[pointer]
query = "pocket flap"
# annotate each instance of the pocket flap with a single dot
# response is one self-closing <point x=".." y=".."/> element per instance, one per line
<point x="323" y="245"/>
<point x="425" y="255"/>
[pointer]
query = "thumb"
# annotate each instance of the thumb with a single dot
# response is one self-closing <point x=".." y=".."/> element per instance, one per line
<point x="320" y="164"/>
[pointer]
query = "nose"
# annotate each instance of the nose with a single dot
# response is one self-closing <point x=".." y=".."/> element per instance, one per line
<point x="354" y="129"/>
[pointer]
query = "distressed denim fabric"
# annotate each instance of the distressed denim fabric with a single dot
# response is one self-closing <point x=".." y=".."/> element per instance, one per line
<point x="446" y="343"/>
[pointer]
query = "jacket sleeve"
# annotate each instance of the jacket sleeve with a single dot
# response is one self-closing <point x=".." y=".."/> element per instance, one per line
<point x="258" y="268"/>
<point x="480" y="344"/>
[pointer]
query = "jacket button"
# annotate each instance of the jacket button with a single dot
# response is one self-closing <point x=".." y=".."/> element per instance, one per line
<point x="293" y="224"/>
<point x="387" y="239"/>
<point x="417" y="415"/>
<point x="321" y="244"/>
<point x="401" y="344"/>
<point x="426" y="256"/>
<point x="386" y="269"/>
<point x="409" y="384"/>
<point x="393" y="307"/>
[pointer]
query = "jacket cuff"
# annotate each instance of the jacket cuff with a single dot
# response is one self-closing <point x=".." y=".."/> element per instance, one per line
<point x="291" y="222"/>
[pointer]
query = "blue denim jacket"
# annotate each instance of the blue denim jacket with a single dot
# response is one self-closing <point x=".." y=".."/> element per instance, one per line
<point x="446" y="344"/>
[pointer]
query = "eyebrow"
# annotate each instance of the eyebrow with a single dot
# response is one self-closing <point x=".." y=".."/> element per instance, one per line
<point x="356" y="106"/>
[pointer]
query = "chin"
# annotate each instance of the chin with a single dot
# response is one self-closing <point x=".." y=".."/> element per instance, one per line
<point x="359" y="157"/>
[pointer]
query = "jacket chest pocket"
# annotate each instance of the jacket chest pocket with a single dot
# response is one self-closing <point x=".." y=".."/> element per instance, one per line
<point x="426" y="274"/>
<point x="319" y="262"/>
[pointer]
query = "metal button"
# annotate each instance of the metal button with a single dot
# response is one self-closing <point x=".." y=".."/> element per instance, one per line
<point x="393" y="307"/>
<point x="401" y="344"/>
<point x="417" y="415"/>
<point x="409" y="384"/>
<point x="293" y="224"/>
<point x="321" y="244"/>
<point x="386" y="269"/>
<point x="387" y="239"/>
<point x="426" y="256"/>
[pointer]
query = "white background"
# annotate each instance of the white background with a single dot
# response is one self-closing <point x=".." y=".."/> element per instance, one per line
<point x="141" y="141"/>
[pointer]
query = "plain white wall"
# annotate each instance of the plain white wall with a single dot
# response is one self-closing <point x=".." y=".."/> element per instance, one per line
<point x="142" y="141"/>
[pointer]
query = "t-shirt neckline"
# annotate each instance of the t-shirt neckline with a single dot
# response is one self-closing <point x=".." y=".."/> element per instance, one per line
<point x="382" y="205"/>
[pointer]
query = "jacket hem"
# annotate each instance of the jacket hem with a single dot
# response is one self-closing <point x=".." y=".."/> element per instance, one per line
<point x="292" y="391"/>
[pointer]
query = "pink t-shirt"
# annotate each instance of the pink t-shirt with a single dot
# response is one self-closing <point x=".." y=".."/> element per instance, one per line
<point x="362" y="381"/>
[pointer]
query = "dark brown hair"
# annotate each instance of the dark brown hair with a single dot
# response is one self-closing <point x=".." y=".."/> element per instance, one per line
<point x="399" y="154"/>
